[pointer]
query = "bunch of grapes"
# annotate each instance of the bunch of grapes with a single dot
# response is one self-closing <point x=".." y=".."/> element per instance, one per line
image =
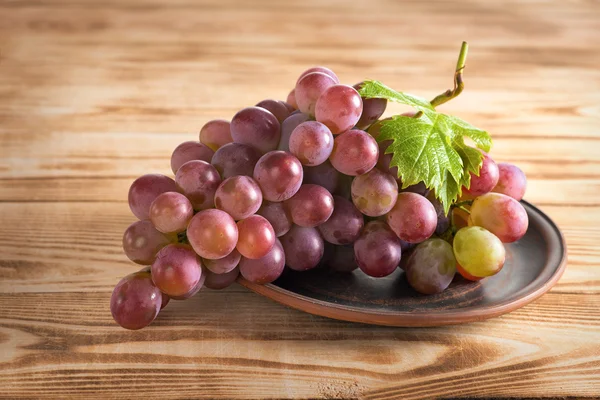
<point x="304" y="183"/>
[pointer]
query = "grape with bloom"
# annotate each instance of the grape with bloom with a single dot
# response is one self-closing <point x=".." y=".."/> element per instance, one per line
<point x="315" y="183"/>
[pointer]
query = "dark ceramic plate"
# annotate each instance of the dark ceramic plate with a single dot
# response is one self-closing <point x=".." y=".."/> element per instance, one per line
<point x="533" y="265"/>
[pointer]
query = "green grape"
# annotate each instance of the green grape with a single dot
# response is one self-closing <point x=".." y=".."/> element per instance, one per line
<point x="479" y="252"/>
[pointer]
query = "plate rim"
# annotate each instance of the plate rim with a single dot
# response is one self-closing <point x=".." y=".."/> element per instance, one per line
<point x="414" y="319"/>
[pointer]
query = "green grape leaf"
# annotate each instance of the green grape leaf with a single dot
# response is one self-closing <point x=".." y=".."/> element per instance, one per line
<point x="430" y="148"/>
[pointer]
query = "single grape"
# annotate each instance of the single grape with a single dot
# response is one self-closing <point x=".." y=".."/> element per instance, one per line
<point x="291" y="99"/>
<point x="339" y="107"/>
<point x="145" y="189"/>
<point x="212" y="233"/>
<point x="287" y="128"/>
<point x="188" y="151"/>
<point x="176" y="270"/>
<point x="256" y="237"/>
<point x="377" y="250"/>
<point x="239" y="196"/>
<point x="141" y="242"/>
<point x="354" y="153"/>
<point x="467" y="275"/>
<point x="372" y="110"/>
<point x="279" y="175"/>
<point x="323" y="175"/>
<point x="374" y="193"/>
<point x="135" y="301"/>
<point x="221" y="281"/>
<point x="310" y="88"/>
<point x="500" y="214"/>
<point x="171" y="212"/>
<point x="311" y="142"/>
<point x="223" y="265"/>
<point x="278" y="216"/>
<point x="431" y="266"/>
<point x="310" y="206"/>
<point x="216" y="134"/>
<point x="235" y="159"/>
<point x="256" y="127"/>
<point x="344" y="225"/>
<point x="303" y="247"/>
<point x="322" y="70"/>
<point x="199" y="181"/>
<point x="265" y="269"/>
<point x="478" y="251"/>
<point x="194" y="290"/>
<point x="413" y="218"/>
<point x="277" y="108"/>
<point x="487" y="179"/>
<point x="443" y="220"/>
<point x="511" y="182"/>
<point x="343" y="259"/>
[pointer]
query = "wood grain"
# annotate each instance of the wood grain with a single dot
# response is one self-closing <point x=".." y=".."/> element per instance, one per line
<point x="93" y="94"/>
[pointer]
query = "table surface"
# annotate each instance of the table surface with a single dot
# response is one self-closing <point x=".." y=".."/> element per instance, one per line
<point x="96" y="93"/>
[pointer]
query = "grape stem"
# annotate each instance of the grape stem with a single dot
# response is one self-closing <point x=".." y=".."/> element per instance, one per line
<point x="459" y="85"/>
<point x="463" y="209"/>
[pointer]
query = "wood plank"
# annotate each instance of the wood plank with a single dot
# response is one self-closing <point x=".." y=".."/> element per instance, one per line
<point x="65" y="344"/>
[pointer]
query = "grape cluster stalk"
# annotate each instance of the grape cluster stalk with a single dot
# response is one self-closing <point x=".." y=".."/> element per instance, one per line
<point x="301" y="184"/>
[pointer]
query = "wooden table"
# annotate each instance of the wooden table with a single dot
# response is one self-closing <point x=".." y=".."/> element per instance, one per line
<point x="96" y="93"/>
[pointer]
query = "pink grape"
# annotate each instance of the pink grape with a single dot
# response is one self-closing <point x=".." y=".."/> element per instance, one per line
<point x="502" y="215"/>
<point x="171" y="212"/>
<point x="413" y="218"/>
<point x="223" y="265"/>
<point x="212" y="233"/>
<point x="199" y="181"/>
<point x="135" y="301"/>
<point x="374" y="193"/>
<point x="487" y="179"/>
<point x="141" y="242"/>
<point x="291" y="99"/>
<point x="256" y="127"/>
<point x="322" y="70"/>
<point x="511" y="182"/>
<point x="145" y="189"/>
<point x="431" y="266"/>
<point x="277" y="108"/>
<point x="354" y="153"/>
<point x="287" y="128"/>
<point x="216" y="134"/>
<point x="310" y="88"/>
<point x="345" y="224"/>
<point x="256" y="237"/>
<point x="278" y="217"/>
<point x="235" y="159"/>
<point x="176" y="270"/>
<point x="239" y="196"/>
<point x="311" y="142"/>
<point x="378" y="250"/>
<point x="372" y="110"/>
<point x="194" y="290"/>
<point x="221" y="281"/>
<point x="310" y="206"/>
<point x="188" y="151"/>
<point x="279" y="175"/>
<point x="339" y="107"/>
<point x="265" y="269"/>
<point x="323" y="175"/>
<point x="303" y="247"/>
